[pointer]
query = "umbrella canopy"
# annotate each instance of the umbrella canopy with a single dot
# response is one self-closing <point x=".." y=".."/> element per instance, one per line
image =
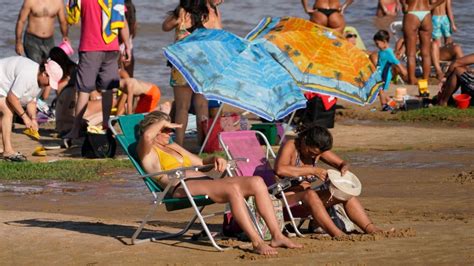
<point x="319" y="59"/>
<point x="227" y="68"/>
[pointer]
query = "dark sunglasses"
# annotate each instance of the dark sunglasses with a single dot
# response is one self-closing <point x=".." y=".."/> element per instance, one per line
<point x="351" y="35"/>
<point x="167" y="130"/>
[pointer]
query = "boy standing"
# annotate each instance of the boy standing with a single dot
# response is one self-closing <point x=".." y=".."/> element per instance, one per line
<point x="386" y="59"/>
<point x="443" y="27"/>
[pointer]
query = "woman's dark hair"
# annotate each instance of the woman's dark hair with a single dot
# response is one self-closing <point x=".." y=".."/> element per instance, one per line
<point x="131" y="16"/>
<point x="59" y="56"/>
<point x="314" y="136"/>
<point x="197" y="9"/>
<point x="382" y="35"/>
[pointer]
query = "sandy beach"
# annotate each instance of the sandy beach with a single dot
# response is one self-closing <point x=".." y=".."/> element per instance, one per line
<point x="417" y="178"/>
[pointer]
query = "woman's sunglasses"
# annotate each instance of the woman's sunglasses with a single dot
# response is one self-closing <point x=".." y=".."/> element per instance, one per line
<point x="351" y="35"/>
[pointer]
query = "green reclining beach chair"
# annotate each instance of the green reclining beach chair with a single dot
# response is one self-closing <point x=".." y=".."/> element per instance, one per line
<point x="128" y="139"/>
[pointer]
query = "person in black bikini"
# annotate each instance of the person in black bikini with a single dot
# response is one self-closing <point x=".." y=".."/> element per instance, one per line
<point x="328" y="13"/>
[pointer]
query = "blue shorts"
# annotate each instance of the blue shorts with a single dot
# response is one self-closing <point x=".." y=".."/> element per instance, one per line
<point x="441" y="27"/>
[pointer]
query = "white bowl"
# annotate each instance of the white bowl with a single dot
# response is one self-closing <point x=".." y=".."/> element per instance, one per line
<point x="344" y="187"/>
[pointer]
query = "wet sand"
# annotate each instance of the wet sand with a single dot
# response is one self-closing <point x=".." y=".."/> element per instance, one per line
<point x="417" y="179"/>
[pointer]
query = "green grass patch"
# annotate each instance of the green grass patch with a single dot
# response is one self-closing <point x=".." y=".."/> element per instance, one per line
<point x="438" y="113"/>
<point x="65" y="170"/>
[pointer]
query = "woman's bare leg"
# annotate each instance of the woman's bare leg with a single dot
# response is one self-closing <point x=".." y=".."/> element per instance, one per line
<point x="201" y="107"/>
<point x="6" y="115"/>
<point x="410" y="33"/>
<point x="319" y="18"/>
<point x="317" y="208"/>
<point x="435" y="57"/>
<point x="425" y="45"/>
<point x="450" y="86"/>
<point x="234" y="190"/>
<point x="182" y="98"/>
<point x="354" y="210"/>
<point x="336" y="21"/>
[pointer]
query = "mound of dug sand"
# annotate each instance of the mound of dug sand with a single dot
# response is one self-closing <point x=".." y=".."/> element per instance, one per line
<point x="396" y="233"/>
<point x="462" y="178"/>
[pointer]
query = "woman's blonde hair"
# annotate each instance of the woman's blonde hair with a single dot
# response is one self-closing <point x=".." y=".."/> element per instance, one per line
<point x="150" y="119"/>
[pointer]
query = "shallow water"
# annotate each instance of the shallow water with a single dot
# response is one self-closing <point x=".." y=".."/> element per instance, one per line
<point x="239" y="16"/>
<point x="128" y="185"/>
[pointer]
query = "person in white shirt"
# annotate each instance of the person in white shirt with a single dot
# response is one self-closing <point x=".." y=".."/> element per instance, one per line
<point x="21" y="81"/>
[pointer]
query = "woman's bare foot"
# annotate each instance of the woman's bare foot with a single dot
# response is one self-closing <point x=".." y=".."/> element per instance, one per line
<point x="263" y="249"/>
<point x="283" y="241"/>
<point x="371" y="229"/>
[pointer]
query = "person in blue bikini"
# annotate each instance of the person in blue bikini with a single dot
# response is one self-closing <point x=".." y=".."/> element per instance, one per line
<point x="417" y="21"/>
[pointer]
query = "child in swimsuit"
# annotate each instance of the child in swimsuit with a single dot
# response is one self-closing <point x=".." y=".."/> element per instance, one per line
<point x="148" y="93"/>
<point x="157" y="153"/>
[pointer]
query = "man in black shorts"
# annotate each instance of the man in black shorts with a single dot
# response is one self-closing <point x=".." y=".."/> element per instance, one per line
<point x="458" y="75"/>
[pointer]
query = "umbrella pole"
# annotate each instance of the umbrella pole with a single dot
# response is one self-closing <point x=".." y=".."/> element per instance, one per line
<point x="206" y="139"/>
<point x="286" y="127"/>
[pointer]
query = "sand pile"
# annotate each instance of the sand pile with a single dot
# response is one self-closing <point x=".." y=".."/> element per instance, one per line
<point x="462" y="178"/>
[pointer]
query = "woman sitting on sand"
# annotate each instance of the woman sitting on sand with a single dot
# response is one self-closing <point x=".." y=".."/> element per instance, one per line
<point x="298" y="157"/>
<point x="156" y="154"/>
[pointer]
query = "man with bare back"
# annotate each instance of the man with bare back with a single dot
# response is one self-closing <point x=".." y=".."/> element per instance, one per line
<point x="39" y="35"/>
<point x="328" y="13"/>
<point x="417" y="22"/>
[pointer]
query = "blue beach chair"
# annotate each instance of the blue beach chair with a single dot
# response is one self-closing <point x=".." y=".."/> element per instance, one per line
<point x="128" y="139"/>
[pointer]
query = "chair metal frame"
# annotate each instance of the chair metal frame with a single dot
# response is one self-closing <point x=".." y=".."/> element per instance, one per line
<point x="196" y="202"/>
<point x="277" y="187"/>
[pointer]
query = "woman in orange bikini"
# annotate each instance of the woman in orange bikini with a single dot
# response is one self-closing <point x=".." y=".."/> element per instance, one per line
<point x="328" y="13"/>
<point x="156" y="153"/>
<point x="388" y="8"/>
<point x="188" y="16"/>
<point x="417" y="22"/>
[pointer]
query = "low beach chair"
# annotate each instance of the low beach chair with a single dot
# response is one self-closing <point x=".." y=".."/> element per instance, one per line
<point x="245" y="144"/>
<point x="128" y="139"/>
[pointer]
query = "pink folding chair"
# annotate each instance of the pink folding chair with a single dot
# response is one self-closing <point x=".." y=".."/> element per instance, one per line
<point x="245" y="144"/>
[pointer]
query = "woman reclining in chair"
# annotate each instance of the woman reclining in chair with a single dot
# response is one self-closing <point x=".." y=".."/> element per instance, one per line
<point x="298" y="157"/>
<point x="156" y="153"/>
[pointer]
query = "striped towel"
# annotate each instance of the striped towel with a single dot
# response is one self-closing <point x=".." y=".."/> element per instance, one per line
<point x="113" y="18"/>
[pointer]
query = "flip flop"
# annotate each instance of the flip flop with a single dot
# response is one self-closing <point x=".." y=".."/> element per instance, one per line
<point x="32" y="133"/>
<point x="39" y="151"/>
<point x="16" y="157"/>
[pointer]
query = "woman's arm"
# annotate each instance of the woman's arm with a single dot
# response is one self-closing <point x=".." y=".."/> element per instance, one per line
<point x="170" y="22"/>
<point x="335" y="161"/>
<point x="306" y="8"/>
<point x="449" y="12"/>
<point x="285" y="165"/>
<point x="435" y="4"/>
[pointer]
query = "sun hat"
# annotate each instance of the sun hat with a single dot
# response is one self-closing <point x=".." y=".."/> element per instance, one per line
<point x="54" y="72"/>
<point x="66" y="47"/>
<point x="343" y="187"/>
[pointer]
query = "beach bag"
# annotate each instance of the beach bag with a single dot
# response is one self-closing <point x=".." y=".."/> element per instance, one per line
<point x="97" y="145"/>
<point x="232" y="229"/>
<point x="228" y="122"/>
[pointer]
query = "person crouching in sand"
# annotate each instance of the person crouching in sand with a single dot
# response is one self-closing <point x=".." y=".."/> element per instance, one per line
<point x="156" y="153"/>
<point x="149" y="96"/>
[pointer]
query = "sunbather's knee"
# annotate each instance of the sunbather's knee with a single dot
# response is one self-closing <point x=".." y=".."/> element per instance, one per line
<point x="310" y="197"/>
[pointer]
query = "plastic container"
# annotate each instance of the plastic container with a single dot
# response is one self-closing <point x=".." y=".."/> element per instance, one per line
<point x="66" y="47"/>
<point x="400" y="93"/>
<point x="269" y="130"/>
<point x="423" y="88"/>
<point x="462" y="100"/>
